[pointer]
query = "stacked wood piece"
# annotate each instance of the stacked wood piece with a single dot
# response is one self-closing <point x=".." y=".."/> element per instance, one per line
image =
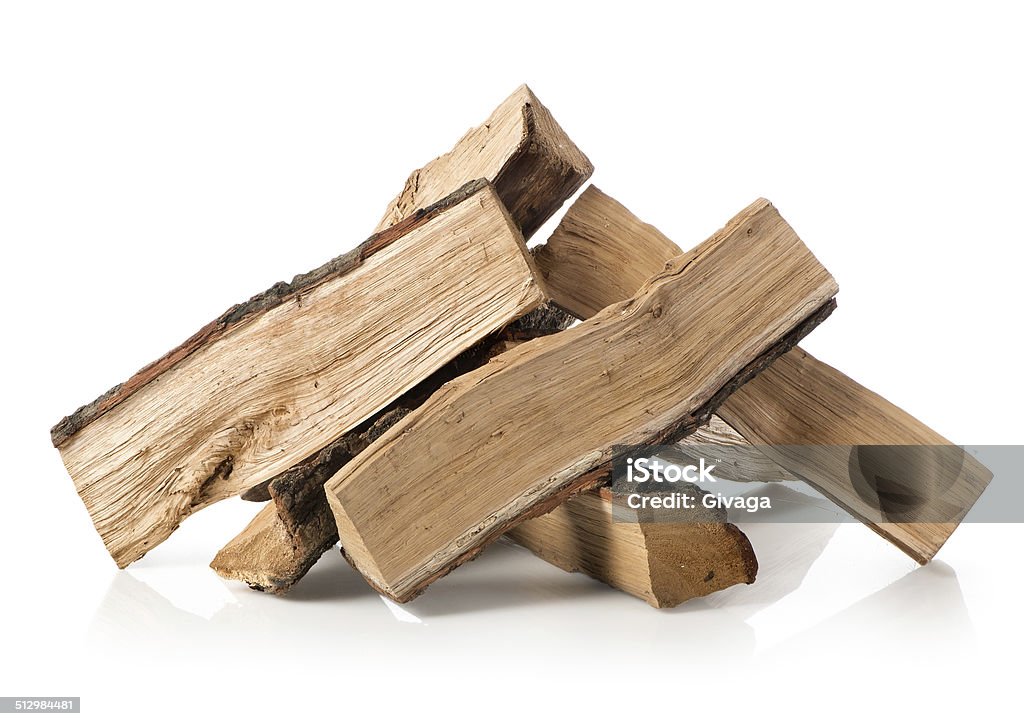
<point x="663" y="563"/>
<point x="288" y="536"/>
<point x="290" y="533"/>
<point x="799" y="401"/>
<point x="274" y="380"/>
<point x="520" y="148"/>
<point x="426" y="393"/>
<point x="535" y="425"/>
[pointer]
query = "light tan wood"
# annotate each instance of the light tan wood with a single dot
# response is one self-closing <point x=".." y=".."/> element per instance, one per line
<point x="600" y="253"/>
<point x="277" y="548"/>
<point x="274" y="380"/>
<point x="663" y="563"/>
<point x="534" y="167"/>
<point x="514" y="438"/>
<point x="520" y="148"/>
<point x="801" y="401"/>
<point x="290" y="534"/>
<point x="265" y="555"/>
<point x="596" y="256"/>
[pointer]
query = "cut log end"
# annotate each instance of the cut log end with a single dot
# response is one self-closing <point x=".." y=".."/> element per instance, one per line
<point x="532" y="162"/>
<point x="664" y="563"/>
<point x="266" y="557"/>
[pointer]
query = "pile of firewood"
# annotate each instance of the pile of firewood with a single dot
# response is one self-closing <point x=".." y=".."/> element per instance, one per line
<point x="432" y="390"/>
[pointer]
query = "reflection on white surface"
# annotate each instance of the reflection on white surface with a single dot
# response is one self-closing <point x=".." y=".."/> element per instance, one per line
<point x="509" y="600"/>
<point x="401" y="614"/>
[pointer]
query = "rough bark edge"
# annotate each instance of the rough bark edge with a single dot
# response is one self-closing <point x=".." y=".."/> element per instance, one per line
<point x="601" y="475"/>
<point x="272" y="297"/>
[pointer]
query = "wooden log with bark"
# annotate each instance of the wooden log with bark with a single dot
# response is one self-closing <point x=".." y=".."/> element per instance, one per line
<point x="296" y="527"/>
<point x="598" y="255"/>
<point x="274" y="380"/>
<point x="521" y="434"/>
<point x="520" y="148"/>
<point x="534" y="167"/>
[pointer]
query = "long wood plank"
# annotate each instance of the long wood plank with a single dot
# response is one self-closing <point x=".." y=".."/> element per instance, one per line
<point x="596" y="257"/>
<point x="518" y="436"/>
<point x="275" y="379"/>
<point x="520" y="148"/>
<point x="662" y="563"/>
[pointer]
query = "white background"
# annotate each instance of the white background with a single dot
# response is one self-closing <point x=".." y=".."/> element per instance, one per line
<point x="159" y="162"/>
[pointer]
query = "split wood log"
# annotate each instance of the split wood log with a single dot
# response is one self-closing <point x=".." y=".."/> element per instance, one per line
<point x="288" y="535"/>
<point x="520" y="148"/>
<point x="274" y="380"/>
<point x="534" y="167"/>
<point x="663" y="563"/>
<point x="518" y="436"/>
<point x="296" y="528"/>
<point x="599" y="253"/>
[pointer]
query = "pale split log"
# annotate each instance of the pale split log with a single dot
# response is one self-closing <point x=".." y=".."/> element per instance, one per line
<point x="297" y="527"/>
<point x="292" y="532"/>
<point x="524" y="432"/>
<point x="812" y="415"/>
<point x="274" y="380"/>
